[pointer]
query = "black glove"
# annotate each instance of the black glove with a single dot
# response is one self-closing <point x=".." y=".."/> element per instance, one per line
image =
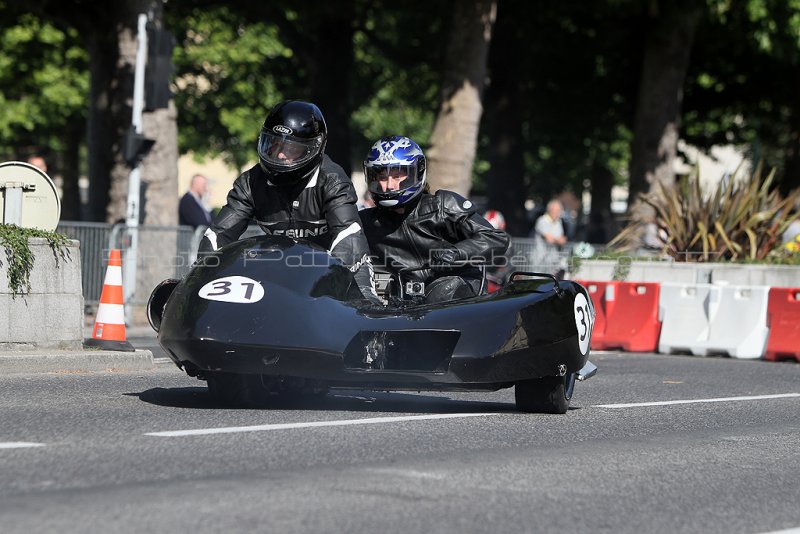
<point x="373" y="298"/>
<point x="447" y="258"/>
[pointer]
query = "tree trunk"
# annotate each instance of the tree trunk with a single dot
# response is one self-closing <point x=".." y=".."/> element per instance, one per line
<point x="504" y="180"/>
<point x="159" y="169"/>
<point x="658" y="108"/>
<point x="124" y="70"/>
<point x="101" y="133"/>
<point x="791" y="179"/>
<point x="70" y="172"/>
<point x="330" y="74"/>
<point x="791" y="164"/>
<point x="455" y="132"/>
<point x="601" y="222"/>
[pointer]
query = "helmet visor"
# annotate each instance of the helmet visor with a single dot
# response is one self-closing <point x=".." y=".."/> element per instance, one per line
<point x="389" y="178"/>
<point x="287" y="152"/>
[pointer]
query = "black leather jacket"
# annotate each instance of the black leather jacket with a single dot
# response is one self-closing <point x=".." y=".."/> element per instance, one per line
<point x="441" y="221"/>
<point x="322" y="211"/>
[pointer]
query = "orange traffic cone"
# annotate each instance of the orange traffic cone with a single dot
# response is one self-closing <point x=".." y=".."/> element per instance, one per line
<point x="109" y="325"/>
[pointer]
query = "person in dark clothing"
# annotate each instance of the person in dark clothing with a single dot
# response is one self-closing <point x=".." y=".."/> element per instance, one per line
<point x="296" y="190"/>
<point x="412" y="228"/>
<point x="191" y="211"/>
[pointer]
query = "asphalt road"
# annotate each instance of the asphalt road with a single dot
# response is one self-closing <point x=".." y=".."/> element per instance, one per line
<point x="149" y="452"/>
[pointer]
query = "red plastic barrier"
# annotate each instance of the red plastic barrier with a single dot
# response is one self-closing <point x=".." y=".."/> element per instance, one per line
<point x="633" y="323"/>
<point x="783" y="319"/>
<point x="597" y="291"/>
<point x="627" y="315"/>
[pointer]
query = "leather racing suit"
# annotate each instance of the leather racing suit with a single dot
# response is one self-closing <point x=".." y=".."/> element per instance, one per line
<point x="441" y="222"/>
<point x="321" y="210"/>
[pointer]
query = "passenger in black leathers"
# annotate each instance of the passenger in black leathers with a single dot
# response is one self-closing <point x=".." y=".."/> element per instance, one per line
<point x="296" y="190"/>
<point x="411" y="228"/>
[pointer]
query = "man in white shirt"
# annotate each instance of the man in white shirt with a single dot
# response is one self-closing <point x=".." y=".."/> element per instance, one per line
<point x="549" y="227"/>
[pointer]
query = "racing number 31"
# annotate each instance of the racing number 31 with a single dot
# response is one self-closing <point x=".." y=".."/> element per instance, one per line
<point x="236" y="289"/>
<point x="224" y="287"/>
<point x="583" y="322"/>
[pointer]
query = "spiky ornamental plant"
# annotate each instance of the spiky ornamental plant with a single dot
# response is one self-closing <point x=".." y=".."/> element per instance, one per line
<point x="742" y="219"/>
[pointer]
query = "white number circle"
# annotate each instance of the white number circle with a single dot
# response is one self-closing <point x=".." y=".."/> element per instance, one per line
<point x="238" y="289"/>
<point x="583" y="320"/>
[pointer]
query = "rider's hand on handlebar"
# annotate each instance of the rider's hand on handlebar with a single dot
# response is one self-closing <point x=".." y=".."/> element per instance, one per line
<point x="448" y="258"/>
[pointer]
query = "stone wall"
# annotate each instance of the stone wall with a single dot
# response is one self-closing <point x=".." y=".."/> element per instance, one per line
<point x="51" y="315"/>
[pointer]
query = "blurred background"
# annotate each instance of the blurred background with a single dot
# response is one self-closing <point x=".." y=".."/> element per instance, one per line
<point x="516" y="102"/>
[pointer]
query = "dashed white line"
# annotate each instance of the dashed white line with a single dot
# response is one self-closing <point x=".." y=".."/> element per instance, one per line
<point x="410" y="473"/>
<point x="19" y="444"/>
<point x="312" y="424"/>
<point x="698" y="401"/>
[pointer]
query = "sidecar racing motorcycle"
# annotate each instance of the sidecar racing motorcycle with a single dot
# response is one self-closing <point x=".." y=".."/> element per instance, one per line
<point x="268" y="316"/>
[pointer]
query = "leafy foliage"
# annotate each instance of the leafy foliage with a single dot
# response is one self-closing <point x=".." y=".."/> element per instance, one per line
<point x="227" y="72"/>
<point x="396" y="89"/>
<point x="231" y="67"/>
<point x="576" y="70"/>
<point x="742" y="83"/>
<point x="45" y="84"/>
<point x="742" y="219"/>
<point x="19" y="256"/>
<point x="578" y="89"/>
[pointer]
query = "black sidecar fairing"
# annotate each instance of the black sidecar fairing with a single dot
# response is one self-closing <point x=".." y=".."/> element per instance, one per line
<point x="272" y="306"/>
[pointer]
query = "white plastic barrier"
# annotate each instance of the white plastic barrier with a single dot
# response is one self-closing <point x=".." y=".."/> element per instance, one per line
<point x="739" y="327"/>
<point x="707" y="319"/>
<point x="682" y="309"/>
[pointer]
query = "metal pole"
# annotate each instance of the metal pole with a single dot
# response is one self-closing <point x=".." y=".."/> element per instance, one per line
<point x="134" y="179"/>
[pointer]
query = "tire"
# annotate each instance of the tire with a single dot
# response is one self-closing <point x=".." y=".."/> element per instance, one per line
<point x="549" y="394"/>
<point x="231" y="389"/>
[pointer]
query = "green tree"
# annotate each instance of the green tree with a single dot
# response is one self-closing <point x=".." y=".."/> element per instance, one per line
<point x="224" y="92"/>
<point x="43" y="90"/>
<point x="108" y="34"/>
<point x="558" y="115"/>
<point x="228" y="73"/>
<point x="455" y="132"/>
<point x="743" y="83"/>
<point x="671" y="29"/>
<point x="397" y="71"/>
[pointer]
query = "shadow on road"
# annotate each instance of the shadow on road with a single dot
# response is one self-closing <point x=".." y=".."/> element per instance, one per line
<point x="337" y="400"/>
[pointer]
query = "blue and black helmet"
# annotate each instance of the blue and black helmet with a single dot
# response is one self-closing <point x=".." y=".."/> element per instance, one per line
<point x="395" y="170"/>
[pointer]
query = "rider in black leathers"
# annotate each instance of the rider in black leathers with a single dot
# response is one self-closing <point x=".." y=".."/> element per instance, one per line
<point x="411" y="228"/>
<point x="296" y="190"/>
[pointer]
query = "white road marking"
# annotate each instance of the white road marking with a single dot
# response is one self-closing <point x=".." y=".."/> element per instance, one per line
<point x="19" y="444"/>
<point x="410" y="473"/>
<point x="698" y="401"/>
<point x="312" y="424"/>
<point x="787" y="531"/>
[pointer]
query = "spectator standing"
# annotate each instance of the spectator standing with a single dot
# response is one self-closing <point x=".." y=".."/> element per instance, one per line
<point x="549" y="228"/>
<point x="38" y="161"/>
<point x="549" y="237"/>
<point x="192" y="210"/>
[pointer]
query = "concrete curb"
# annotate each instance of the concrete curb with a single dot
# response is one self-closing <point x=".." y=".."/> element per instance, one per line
<point x="56" y="361"/>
